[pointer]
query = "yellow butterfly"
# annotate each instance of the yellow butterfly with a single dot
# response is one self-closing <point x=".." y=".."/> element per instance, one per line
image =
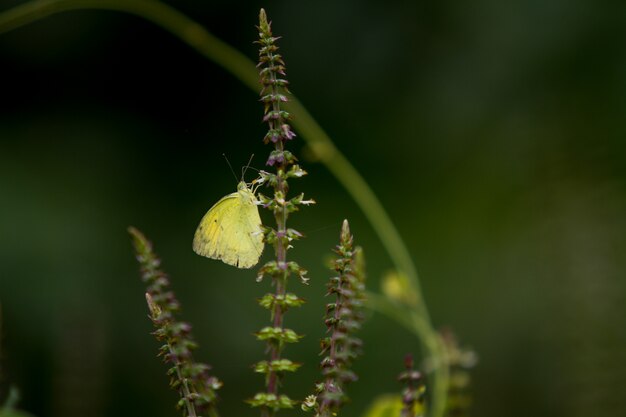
<point x="231" y="230"/>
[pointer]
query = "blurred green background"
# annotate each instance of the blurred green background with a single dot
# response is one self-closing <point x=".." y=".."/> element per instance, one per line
<point x="493" y="132"/>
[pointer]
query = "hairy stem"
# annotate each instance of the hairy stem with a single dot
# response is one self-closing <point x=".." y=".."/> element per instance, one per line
<point x="191" y="410"/>
<point x="281" y="251"/>
<point x="272" y="73"/>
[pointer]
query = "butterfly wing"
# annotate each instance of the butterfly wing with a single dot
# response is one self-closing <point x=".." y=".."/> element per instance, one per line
<point x="231" y="231"/>
<point x="247" y="242"/>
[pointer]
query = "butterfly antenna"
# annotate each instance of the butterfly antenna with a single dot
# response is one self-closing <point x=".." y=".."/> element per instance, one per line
<point x="244" y="169"/>
<point x="230" y="166"/>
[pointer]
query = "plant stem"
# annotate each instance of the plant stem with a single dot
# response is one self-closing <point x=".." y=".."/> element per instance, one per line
<point x="281" y="255"/>
<point x="191" y="410"/>
<point x="197" y="389"/>
<point x="272" y="73"/>
<point x="281" y="250"/>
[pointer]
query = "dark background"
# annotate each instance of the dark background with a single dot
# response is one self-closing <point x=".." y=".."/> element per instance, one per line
<point x="493" y="132"/>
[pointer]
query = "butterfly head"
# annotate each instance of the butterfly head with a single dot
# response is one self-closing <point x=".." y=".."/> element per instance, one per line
<point x="245" y="193"/>
<point x="242" y="186"/>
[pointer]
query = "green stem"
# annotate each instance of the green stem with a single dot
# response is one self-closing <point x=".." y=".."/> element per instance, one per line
<point x="245" y="70"/>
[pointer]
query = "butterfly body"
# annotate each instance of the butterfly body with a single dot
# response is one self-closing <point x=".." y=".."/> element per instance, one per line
<point x="231" y="230"/>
